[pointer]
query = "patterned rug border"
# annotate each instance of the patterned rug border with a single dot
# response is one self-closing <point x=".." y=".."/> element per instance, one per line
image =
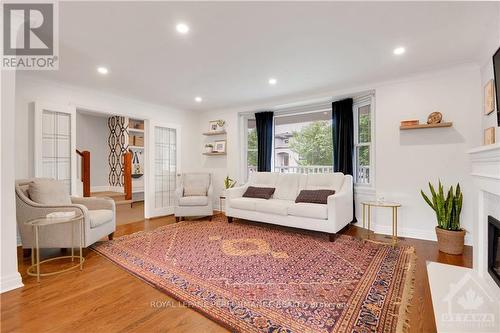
<point x="403" y="306"/>
<point x="158" y="287"/>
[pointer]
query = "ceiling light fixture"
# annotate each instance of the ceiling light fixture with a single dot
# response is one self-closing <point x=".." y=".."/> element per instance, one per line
<point x="198" y="99"/>
<point x="399" y="50"/>
<point x="102" y="70"/>
<point x="182" y="28"/>
<point x="272" y="81"/>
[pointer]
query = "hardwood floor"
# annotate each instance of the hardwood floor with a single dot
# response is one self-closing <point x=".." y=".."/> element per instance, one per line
<point x="106" y="298"/>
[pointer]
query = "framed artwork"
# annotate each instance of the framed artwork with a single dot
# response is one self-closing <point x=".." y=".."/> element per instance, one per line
<point x="213" y="126"/>
<point x="216" y="125"/>
<point x="220" y="146"/>
<point x="489" y="98"/>
<point x="489" y="136"/>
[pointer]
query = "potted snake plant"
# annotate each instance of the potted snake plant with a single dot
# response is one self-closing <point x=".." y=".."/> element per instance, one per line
<point x="448" y="208"/>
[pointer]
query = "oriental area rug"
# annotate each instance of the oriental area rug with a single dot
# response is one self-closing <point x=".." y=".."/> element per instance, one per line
<point x="253" y="277"/>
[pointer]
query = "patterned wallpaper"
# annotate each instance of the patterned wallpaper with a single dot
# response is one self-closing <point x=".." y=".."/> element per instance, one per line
<point x="118" y="145"/>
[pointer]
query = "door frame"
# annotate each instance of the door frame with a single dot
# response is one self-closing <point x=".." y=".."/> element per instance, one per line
<point x="39" y="107"/>
<point x="149" y="181"/>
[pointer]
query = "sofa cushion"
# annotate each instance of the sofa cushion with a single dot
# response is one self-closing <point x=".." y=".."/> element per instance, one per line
<point x="287" y="186"/>
<point x="310" y="210"/>
<point x="245" y="203"/>
<point x="259" y="192"/>
<point x="263" y="179"/>
<point x="321" y="181"/>
<point x="99" y="217"/>
<point x="193" y="201"/>
<point x="314" y="196"/>
<point x="49" y="192"/>
<point x="274" y="206"/>
<point x="195" y="191"/>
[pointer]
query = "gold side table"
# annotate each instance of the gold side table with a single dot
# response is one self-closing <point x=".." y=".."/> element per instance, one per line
<point x="35" y="251"/>
<point x="367" y="205"/>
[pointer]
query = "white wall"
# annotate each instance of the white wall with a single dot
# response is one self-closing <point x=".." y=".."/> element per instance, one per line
<point x="92" y="134"/>
<point x="9" y="276"/>
<point x="405" y="161"/>
<point x="29" y="89"/>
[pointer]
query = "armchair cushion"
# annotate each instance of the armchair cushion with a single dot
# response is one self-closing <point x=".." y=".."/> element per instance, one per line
<point x="194" y="191"/>
<point x="99" y="217"/>
<point x="193" y="201"/>
<point x="49" y="192"/>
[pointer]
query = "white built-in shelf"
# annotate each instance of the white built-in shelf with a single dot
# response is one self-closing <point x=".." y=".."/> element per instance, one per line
<point x="214" y="133"/>
<point x="214" y="154"/>
<point x="135" y="130"/>
<point x="422" y="126"/>
<point x="136" y="147"/>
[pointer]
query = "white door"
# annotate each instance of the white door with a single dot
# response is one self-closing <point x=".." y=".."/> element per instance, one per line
<point x="55" y="146"/>
<point x="162" y="142"/>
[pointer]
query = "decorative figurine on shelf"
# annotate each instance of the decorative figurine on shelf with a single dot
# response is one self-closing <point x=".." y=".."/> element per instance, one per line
<point x="229" y="183"/>
<point x="434" y="118"/>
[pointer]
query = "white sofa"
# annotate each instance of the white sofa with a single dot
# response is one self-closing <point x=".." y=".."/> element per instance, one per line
<point x="281" y="209"/>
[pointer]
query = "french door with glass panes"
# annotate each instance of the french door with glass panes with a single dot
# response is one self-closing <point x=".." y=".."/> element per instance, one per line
<point x="55" y="146"/>
<point x="162" y="143"/>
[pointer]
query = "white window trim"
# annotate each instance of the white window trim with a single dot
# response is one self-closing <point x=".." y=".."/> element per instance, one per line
<point x="364" y="101"/>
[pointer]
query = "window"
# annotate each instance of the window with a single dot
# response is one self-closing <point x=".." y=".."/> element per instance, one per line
<point x="251" y="146"/>
<point x="363" y="141"/>
<point x="303" y="142"/>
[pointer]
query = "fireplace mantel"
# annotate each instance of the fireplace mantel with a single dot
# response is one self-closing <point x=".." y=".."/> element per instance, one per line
<point x="485" y="171"/>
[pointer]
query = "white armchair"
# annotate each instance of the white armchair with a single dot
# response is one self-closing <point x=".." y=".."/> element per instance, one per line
<point x="98" y="213"/>
<point x="194" y="195"/>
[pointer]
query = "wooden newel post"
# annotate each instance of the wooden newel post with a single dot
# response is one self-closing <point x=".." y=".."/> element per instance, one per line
<point x="127" y="173"/>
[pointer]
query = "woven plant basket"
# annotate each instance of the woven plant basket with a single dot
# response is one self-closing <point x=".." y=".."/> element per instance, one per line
<point x="451" y="242"/>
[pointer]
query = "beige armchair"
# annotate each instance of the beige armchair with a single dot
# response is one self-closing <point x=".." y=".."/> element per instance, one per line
<point x="194" y="195"/>
<point x="98" y="213"/>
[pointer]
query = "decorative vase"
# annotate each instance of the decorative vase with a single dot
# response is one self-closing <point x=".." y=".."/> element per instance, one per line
<point x="209" y="149"/>
<point x="450" y="241"/>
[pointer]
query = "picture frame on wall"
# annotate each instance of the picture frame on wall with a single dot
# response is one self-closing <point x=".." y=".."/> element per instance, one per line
<point x="216" y="125"/>
<point x="220" y="146"/>
<point x="489" y="136"/>
<point x="489" y="97"/>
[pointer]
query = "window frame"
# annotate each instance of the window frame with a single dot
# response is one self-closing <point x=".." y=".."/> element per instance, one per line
<point x="362" y="102"/>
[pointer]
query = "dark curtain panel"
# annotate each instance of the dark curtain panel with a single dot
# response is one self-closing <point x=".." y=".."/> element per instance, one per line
<point x="343" y="138"/>
<point x="264" y="126"/>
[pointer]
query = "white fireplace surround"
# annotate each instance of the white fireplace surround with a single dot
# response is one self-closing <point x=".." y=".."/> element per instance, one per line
<point x="486" y="174"/>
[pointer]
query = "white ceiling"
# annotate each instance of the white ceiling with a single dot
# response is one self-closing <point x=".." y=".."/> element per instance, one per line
<point x="233" y="48"/>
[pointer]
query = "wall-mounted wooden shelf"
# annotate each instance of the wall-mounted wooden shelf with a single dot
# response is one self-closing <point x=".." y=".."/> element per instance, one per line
<point x="136" y="147"/>
<point x="421" y="126"/>
<point x="214" y="154"/>
<point x="214" y="133"/>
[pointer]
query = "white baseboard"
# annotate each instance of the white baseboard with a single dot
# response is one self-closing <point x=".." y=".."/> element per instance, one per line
<point x="106" y="189"/>
<point x="10" y="282"/>
<point x="413" y="233"/>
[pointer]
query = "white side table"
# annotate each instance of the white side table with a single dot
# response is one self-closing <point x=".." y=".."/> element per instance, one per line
<point x="35" y="251"/>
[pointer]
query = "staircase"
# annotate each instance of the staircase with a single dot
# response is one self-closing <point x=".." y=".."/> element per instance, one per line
<point x="118" y="197"/>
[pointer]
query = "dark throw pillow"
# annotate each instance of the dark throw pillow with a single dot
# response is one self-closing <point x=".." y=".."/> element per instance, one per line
<point x="314" y="196"/>
<point x="259" y="192"/>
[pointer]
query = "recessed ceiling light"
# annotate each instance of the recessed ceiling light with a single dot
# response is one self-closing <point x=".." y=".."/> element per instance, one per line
<point x="198" y="99"/>
<point x="273" y="81"/>
<point x="182" y="28"/>
<point x="399" y="50"/>
<point x="102" y="70"/>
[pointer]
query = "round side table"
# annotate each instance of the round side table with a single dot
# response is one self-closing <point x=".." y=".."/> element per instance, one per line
<point x="367" y="205"/>
<point x="35" y="251"/>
